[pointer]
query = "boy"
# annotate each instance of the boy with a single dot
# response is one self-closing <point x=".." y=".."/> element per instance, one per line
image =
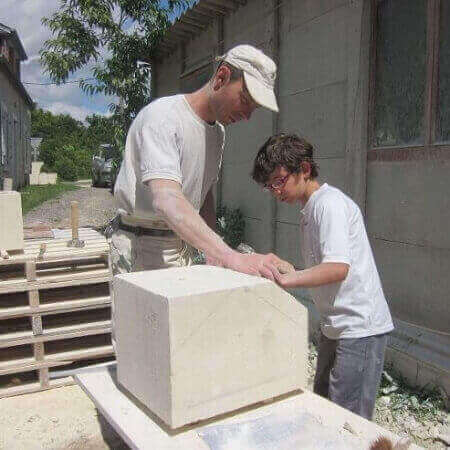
<point x="341" y="271"/>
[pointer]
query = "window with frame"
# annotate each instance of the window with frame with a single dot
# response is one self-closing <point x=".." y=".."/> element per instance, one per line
<point x="410" y="92"/>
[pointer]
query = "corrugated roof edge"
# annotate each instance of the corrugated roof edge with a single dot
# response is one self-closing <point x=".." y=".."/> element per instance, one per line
<point x="193" y="22"/>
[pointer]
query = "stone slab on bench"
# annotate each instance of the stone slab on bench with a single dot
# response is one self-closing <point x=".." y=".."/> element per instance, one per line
<point x="196" y="342"/>
<point x="301" y="420"/>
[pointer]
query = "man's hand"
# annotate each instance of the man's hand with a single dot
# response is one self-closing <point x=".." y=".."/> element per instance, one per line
<point x="268" y="266"/>
<point x="282" y="265"/>
<point x="251" y="264"/>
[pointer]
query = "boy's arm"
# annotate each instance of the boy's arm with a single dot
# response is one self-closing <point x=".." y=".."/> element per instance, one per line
<point x="334" y="238"/>
<point x="319" y="275"/>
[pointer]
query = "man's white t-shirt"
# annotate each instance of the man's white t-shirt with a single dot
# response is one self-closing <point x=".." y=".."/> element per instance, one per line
<point x="167" y="140"/>
<point x="333" y="230"/>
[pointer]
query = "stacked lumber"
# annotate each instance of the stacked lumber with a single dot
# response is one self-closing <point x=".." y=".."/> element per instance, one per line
<point x="54" y="312"/>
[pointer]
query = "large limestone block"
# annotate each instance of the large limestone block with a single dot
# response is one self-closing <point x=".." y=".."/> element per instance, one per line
<point x="36" y="167"/>
<point x="195" y="342"/>
<point x="11" y="222"/>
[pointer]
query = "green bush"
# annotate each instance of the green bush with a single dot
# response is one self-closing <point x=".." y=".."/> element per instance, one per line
<point x="230" y="225"/>
<point x="66" y="169"/>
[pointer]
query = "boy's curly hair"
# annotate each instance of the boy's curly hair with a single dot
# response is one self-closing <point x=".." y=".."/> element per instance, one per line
<point x="286" y="150"/>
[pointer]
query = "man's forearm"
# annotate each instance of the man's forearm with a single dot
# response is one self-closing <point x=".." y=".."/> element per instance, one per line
<point x="170" y="203"/>
<point x="187" y="223"/>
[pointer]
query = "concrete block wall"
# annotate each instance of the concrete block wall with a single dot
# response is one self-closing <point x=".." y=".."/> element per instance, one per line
<point x="245" y="138"/>
<point x="407" y="217"/>
<point x="323" y="48"/>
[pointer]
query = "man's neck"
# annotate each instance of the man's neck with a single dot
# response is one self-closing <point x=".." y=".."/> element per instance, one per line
<point x="311" y="187"/>
<point x="199" y="102"/>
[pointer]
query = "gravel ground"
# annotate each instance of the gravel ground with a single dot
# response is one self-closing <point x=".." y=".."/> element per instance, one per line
<point x="63" y="418"/>
<point x="96" y="207"/>
<point x="425" y="432"/>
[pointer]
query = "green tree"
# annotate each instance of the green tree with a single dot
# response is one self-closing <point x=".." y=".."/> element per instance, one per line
<point x="66" y="139"/>
<point x="115" y="34"/>
<point x="101" y="128"/>
<point x="44" y="124"/>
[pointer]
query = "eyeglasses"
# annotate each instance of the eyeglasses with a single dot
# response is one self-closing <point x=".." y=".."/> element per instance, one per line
<point x="278" y="184"/>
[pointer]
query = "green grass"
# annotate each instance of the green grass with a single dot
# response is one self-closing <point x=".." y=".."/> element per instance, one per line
<point x="33" y="196"/>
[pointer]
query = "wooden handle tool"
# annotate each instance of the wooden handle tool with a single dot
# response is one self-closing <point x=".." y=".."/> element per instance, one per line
<point x="75" y="219"/>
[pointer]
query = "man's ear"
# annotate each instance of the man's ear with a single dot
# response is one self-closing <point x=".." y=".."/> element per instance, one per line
<point x="306" y="169"/>
<point x="222" y="77"/>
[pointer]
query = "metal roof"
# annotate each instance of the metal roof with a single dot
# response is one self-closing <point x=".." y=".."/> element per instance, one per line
<point x="194" y="21"/>
<point x="11" y="33"/>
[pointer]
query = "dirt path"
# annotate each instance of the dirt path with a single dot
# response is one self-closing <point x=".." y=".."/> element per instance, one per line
<point x="96" y="208"/>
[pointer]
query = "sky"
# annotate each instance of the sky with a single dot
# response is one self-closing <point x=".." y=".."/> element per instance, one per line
<point x="25" y="16"/>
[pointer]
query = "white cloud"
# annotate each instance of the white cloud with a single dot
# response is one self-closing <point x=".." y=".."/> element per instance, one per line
<point x="77" y="112"/>
<point x="25" y="16"/>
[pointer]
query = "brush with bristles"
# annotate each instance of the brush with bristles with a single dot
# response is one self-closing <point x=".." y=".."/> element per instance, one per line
<point x="384" y="443"/>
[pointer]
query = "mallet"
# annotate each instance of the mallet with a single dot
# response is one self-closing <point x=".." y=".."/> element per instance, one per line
<point x="74" y="217"/>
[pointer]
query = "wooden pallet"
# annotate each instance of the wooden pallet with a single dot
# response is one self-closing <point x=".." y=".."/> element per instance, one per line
<point x="54" y="312"/>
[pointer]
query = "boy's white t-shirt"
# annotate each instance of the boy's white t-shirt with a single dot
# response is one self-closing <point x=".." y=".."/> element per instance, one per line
<point x="167" y="140"/>
<point x="333" y="230"/>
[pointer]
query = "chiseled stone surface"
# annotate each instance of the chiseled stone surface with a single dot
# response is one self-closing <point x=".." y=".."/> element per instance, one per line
<point x="199" y="341"/>
<point x="11" y="222"/>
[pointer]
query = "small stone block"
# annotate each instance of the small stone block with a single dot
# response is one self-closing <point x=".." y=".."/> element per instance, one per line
<point x="7" y="184"/>
<point x="196" y="342"/>
<point x="36" y="167"/>
<point x="34" y="179"/>
<point x="51" y="178"/>
<point x="11" y="222"/>
<point x="43" y="178"/>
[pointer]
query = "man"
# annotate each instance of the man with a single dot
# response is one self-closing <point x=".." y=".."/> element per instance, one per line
<point x="340" y="270"/>
<point x="171" y="162"/>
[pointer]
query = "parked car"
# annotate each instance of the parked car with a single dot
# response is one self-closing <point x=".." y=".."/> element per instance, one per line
<point x="102" y="167"/>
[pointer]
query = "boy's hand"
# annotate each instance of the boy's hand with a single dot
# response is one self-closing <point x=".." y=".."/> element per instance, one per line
<point x="287" y="280"/>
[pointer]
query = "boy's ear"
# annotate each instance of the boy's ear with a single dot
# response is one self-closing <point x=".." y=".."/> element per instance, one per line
<point x="306" y="169"/>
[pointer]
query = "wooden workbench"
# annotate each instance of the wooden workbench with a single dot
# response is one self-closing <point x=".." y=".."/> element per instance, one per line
<point x="301" y="420"/>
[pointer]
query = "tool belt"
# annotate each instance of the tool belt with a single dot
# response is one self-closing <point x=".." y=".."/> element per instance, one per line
<point x="142" y="231"/>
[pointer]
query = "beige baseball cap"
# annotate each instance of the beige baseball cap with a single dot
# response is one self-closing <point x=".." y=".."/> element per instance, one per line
<point x="259" y="70"/>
